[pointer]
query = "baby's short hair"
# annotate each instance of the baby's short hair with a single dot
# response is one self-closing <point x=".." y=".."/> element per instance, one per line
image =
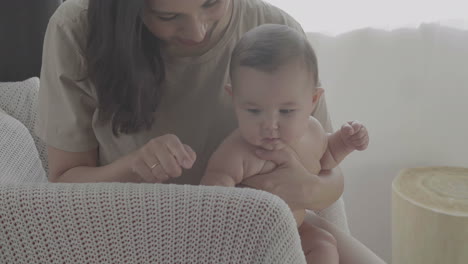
<point x="271" y="46"/>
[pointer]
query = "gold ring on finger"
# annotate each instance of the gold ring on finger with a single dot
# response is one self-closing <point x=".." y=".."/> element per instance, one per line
<point x="154" y="165"/>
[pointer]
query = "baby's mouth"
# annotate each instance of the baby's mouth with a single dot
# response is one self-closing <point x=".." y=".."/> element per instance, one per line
<point x="270" y="143"/>
<point x="271" y="140"/>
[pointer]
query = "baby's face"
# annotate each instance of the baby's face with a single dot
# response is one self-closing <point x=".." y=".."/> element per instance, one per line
<point x="273" y="108"/>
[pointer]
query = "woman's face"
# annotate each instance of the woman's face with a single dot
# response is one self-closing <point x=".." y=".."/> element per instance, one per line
<point x="187" y="26"/>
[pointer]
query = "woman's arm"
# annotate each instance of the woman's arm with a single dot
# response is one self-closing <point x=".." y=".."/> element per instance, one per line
<point x="326" y="190"/>
<point x="159" y="160"/>
<point x="81" y="167"/>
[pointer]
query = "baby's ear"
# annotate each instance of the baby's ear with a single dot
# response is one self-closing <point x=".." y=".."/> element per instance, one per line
<point x="228" y="88"/>
<point x="317" y="94"/>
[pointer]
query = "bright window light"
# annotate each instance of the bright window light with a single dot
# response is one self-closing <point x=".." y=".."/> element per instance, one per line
<point x="338" y="16"/>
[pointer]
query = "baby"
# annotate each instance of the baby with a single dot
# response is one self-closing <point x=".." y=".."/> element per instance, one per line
<point x="274" y="77"/>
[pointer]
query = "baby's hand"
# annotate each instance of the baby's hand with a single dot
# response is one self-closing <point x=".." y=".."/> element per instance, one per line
<point x="354" y="135"/>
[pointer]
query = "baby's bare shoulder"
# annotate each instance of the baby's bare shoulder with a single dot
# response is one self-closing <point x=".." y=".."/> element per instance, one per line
<point x="314" y="124"/>
<point x="235" y="156"/>
<point x="310" y="148"/>
<point x="231" y="145"/>
<point x="313" y="142"/>
<point x="315" y="129"/>
<point x="227" y="158"/>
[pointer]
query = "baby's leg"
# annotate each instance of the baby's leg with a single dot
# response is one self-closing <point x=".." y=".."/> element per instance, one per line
<point x="319" y="246"/>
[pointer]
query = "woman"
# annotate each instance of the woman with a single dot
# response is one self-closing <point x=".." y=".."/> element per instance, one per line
<point x="132" y="91"/>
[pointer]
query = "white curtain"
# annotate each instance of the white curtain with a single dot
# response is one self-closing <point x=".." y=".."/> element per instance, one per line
<point x="400" y="67"/>
<point x="339" y="16"/>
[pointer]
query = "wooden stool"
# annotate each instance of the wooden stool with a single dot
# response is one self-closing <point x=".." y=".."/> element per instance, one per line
<point x="430" y="216"/>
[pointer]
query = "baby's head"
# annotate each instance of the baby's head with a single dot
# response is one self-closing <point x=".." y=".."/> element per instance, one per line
<point x="274" y="78"/>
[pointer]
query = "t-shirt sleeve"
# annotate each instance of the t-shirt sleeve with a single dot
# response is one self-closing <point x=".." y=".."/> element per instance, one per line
<point x="66" y="103"/>
<point x="274" y="15"/>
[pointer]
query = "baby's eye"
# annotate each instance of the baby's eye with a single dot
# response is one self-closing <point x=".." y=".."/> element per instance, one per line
<point x="253" y="111"/>
<point x="210" y="3"/>
<point x="287" y="111"/>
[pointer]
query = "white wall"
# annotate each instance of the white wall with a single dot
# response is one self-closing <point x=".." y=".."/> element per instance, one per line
<point x="410" y="87"/>
<point x="338" y="16"/>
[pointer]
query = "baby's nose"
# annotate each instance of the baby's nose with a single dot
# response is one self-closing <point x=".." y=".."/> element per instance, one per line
<point x="270" y="128"/>
<point x="270" y="124"/>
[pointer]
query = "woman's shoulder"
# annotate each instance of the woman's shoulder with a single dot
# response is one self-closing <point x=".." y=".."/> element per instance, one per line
<point x="72" y="15"/>
<point x="68" y="27"/>
<point x="258" y="12"/>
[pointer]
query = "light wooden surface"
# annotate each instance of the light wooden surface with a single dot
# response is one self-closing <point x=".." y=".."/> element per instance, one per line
<point x="430" y="216"/>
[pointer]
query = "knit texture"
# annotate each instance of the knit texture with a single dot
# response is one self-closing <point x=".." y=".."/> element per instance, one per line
<point x="19" y="159"/>
<point x="144" y="223"/>
<point x="19" y="100"/>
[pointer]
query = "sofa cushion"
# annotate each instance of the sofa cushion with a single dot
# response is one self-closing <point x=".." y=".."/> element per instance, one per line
<point x="19" y="159"/>
<point x="19" y="100"/>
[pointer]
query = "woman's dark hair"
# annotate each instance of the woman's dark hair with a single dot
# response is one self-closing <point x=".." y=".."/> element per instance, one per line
<point x="124" y="64"/>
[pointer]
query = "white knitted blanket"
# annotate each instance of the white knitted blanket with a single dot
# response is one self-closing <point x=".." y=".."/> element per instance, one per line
<point x="144" y="223"/>
<point x="19" y="100"/>
<point x="19" y="160"/>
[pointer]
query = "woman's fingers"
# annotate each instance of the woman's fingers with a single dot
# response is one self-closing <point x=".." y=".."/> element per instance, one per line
<point x="149" y="167"/>
<point x="177" y="149"/>
<point x="168" y="162"/>
<point x="161" y="174"/>
<point x="191" y="153"/>
<point x="140" y="168"/>
<point x="163" y="158"/>
<point x="149" y="157"/>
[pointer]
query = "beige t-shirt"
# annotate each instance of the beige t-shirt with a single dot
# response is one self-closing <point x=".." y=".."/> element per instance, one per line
<point x="195" y="106"/>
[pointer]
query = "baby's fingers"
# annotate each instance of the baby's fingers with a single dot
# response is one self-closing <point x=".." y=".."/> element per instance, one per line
<point x="360" y="134"/>
<point x="363" y="144"/>
<point x="356" y="125"/>
<point x="347" y="129"/>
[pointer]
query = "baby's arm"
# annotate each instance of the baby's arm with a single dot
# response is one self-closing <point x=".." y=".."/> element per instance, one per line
<point x="224" y="167"/>
<point x="335" y="153"/>
<point x="352" y="136"/>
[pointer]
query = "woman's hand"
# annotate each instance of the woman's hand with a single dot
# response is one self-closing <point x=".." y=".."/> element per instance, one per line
<point x="290" y="180"/>
<point x="162" y="158"/>
<point x="293" y="183"/>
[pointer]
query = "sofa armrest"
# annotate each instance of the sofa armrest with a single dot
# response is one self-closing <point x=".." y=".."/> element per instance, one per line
<point x="144" y="223"/>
